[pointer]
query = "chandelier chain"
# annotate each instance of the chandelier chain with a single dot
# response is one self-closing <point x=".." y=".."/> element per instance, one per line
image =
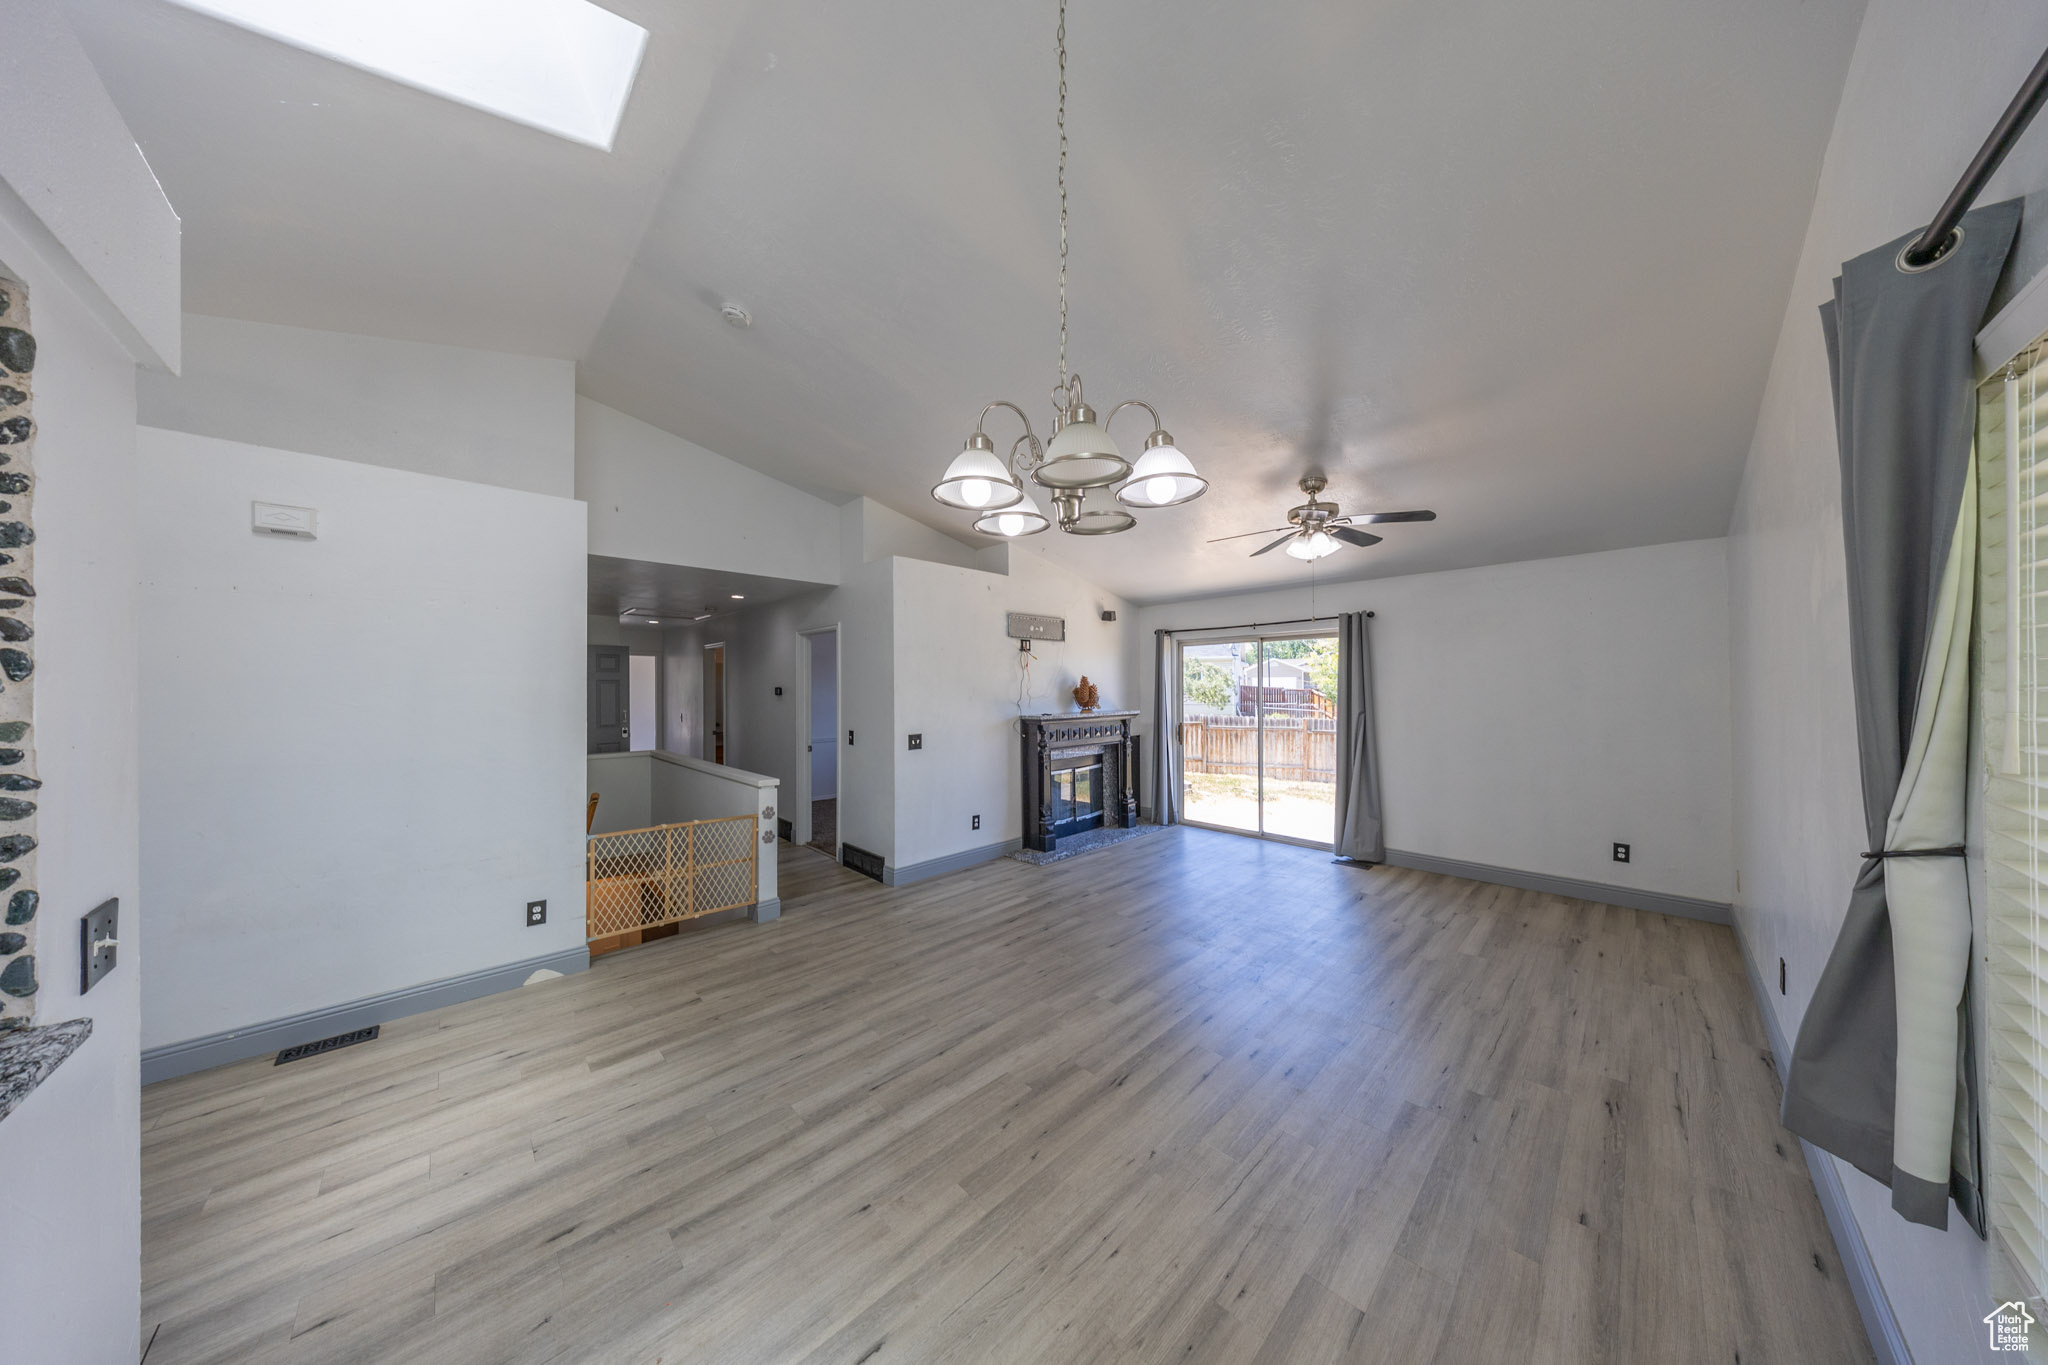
<point x="1062" y="42"/>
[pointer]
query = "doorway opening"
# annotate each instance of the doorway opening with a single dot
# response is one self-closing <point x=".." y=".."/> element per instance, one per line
<point x="714" y="702"/>
<point x="815" y="810"/>
<point x="640" y="709"/>
<point x="1258" y="731"/>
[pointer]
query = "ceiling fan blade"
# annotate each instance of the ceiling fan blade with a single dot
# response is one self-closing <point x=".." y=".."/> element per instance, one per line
<point x="1276" y="544"/>
<point x="1352" y="536"/>
<point x="1242" y="534"/>
<point x="1371" y="517"/>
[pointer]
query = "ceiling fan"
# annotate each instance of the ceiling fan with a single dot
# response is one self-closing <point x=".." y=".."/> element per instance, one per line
<point x="1314" y="529"/>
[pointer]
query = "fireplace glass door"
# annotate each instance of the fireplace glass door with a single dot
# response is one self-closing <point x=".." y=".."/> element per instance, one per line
<point x="1077" y="796"/>
<point x="1258" y="730"/>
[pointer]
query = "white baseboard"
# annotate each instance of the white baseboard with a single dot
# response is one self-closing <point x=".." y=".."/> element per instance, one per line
<point x="218" y="1049"/>
<point x="1663" y="903"/>
<point x="1880" y="1323"/>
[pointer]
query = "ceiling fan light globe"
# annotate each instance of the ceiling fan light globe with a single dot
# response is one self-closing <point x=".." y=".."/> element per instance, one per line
<point x="976" y="482"/>
<point x="1162" y="477"/>
<point x="1298" y="548"/>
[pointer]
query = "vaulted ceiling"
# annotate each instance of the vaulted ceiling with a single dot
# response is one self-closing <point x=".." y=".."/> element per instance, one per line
<point x="1523" y="264"/>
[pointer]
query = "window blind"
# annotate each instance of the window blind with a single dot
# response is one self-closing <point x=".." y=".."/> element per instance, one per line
<point x="2012" y="472"/>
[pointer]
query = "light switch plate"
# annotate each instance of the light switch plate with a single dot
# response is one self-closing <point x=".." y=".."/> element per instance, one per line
<point x="917" y="741"/>
<point x="97" y="933"/>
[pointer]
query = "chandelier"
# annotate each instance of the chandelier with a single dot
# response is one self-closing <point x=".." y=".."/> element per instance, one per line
<point x="1091" y="484"/>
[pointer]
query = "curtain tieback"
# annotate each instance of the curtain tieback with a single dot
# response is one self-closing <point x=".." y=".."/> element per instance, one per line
<point x="1946" y="851"/>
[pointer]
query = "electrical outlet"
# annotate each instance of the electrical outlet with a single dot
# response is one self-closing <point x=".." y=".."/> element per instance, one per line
<point x="977" y="822"/>
<point x="97" y="935"/>
<point x="917" y="741"/>
<point x="849" y="739"/>
<point x="536" y="913"/>
<point x="1621" y="853"/>
<point x="778" y="691"/>
<point x="1781" y="976"/>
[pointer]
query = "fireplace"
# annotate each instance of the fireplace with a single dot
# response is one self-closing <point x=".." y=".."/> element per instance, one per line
<point x="1076" y="795"/>
<point x="1079" y="773"/>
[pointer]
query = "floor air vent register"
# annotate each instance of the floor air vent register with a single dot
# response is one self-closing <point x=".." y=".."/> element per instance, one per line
<point x="292" y="1054"/>
<point x="861" y="861"/>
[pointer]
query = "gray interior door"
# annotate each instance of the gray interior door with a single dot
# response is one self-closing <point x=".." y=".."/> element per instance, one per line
<point x="609" y="717"/>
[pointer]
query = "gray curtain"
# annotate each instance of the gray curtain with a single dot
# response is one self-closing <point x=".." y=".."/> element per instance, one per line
<point x="1883" y="1072"/>
<point x="1165" y="764"/>
<point x="1359" y="833"/>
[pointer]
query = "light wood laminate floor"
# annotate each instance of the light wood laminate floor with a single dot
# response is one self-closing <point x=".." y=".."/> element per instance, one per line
<point x="1192" y="1098"/>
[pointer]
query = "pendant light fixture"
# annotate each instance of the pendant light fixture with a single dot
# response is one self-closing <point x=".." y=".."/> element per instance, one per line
<point x="1081" y="465"/>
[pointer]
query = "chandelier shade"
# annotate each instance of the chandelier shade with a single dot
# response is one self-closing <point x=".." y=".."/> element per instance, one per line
<point x="1081" y="455"/>
<point x="1162" y="477"/>
<point x="977" y="481"/>
<point x="1021" y="518"/>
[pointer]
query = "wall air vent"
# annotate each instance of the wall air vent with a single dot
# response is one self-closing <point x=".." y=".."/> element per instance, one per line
<point x="861" y="861"/>
<point x="292" y="1054"/>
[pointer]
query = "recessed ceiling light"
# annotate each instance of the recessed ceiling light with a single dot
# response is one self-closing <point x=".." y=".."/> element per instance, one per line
<point x="739" y="597"/>
<point x="563" y="66"/>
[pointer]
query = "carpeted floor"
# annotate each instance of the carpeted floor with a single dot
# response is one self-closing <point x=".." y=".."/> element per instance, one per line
<point x="825" y="825"/>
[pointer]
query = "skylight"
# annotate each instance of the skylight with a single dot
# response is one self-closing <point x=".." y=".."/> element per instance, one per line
<point x="563" y="66"/>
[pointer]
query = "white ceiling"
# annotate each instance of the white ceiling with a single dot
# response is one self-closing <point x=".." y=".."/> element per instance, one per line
<point x="1523" y="264"/>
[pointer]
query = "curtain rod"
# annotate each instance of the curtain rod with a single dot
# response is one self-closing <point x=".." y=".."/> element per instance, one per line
<point x="1251" y="625"/>
<point x="1935" y="242"/>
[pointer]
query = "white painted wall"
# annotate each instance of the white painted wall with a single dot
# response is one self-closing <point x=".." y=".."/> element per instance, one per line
<point x="1924" y="86"/>
<point x="624" y="787"/>
<point x="661" y="499"/>
<point x="959" y="684"/>
<point x="71" y="1282"/>
<point x="921" y="649"/>
<point x="886" y="533"/>
<point x="75" y="189"/>
<point x="361" y="755"/>
<point x="1531" y="715"/>
<point x="84" y="224"/>
<point x="766" y="733"/>
<point x="480" y="416"/>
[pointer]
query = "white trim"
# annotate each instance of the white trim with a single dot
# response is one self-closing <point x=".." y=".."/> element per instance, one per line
<point x="2022" y="319"/>
<point x="218" y="1049"/>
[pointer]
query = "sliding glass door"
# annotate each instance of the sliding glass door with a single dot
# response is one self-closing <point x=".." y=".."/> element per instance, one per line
<point x="1258" y="734"/>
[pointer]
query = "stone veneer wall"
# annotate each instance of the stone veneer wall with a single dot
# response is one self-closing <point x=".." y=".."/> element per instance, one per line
<point x="18" y="981"/>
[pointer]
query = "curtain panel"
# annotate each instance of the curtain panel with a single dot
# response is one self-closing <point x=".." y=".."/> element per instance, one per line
<point x="1359" y="832"/>
<point x="1880" y="1074"/>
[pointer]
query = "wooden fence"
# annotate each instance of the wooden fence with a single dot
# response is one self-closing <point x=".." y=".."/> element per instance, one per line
<point x="1298" y="748"/>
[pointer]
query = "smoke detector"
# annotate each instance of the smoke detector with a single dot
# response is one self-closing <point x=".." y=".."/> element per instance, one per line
<point x="736" y="316"/>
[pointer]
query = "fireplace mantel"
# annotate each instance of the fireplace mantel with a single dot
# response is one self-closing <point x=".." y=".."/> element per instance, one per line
<point x="1098" y="744"/>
